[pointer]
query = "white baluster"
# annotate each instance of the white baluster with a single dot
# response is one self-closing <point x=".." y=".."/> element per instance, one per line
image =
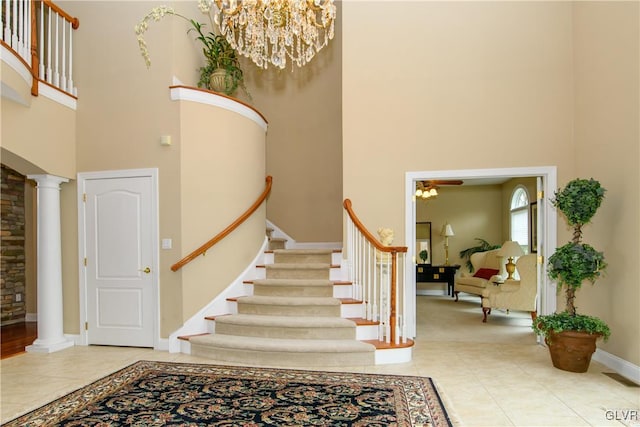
<point x="49" y="37"/>
<point x="6" y="34"/>
<point x="56" y="68"/>
<point x="22" y="26"/>
<point x="70" y="87"/>
<point x="14" y="27"/>
<point x="63" y="53"/>
<point x="27" y="31"/>
<point x="41" y="43"/>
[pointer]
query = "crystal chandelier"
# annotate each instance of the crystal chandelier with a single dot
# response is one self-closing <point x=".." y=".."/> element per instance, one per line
<point x="273" y="31"/>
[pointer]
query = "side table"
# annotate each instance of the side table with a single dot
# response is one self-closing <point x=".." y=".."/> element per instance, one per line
<point x="437" y="274"/>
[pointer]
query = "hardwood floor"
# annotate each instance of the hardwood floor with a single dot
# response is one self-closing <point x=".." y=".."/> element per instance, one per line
<point x="16" y="337"/>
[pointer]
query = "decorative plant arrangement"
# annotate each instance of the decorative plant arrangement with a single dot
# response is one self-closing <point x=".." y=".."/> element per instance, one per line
<point x="482" y="246"/>
<point x="424" y="254"/>
<point x="222" y="71"/>
<point x="571" y="265"/>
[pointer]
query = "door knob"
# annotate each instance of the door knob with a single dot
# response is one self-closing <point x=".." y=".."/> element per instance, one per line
<point x="146" y="270"/>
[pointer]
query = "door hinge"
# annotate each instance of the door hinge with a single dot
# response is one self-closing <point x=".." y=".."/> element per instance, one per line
<point x="85" y="261"/>
<point x="86" y="326"/>
<point x="540" y="195"/>
<point x="84" y="197"/>
<point x="540" y="259"/>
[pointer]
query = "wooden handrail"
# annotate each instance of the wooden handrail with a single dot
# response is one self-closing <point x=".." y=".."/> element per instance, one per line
<point x="370" y="238"/>
<point x="75" y="22"/>
<point x="202" y="249"/>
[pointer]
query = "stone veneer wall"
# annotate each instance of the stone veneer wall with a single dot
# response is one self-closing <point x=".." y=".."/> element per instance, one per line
<point x="12" y="247"/>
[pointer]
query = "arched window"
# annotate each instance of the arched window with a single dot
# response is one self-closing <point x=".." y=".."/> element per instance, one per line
<point x="520" y="217"/>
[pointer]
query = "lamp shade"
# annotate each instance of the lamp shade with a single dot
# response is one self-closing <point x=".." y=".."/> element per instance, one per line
<point x="510" y="249"/>
<point x="447" y="230"/>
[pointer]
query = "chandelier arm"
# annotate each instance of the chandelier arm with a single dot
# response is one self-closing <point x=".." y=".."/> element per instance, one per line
<point x="230" y="12"/>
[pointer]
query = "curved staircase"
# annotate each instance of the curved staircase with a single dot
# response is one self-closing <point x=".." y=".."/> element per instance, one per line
<point x="294" y="316"/>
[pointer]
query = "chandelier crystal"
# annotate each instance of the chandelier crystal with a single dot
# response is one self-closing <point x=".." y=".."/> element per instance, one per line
<point x="275" y="31"/>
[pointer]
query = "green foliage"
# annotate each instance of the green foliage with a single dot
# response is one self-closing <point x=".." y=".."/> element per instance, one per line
<point x="574" y="263"/>
<point x="566" y="322"/>
<point x="218" y="53"/>
<point x="482" y="246"/>
<point x="423" y="255"/>
<point x="579" y="200"/>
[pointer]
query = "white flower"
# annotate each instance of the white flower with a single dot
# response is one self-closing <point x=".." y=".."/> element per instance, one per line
<point x="157" y="13"/>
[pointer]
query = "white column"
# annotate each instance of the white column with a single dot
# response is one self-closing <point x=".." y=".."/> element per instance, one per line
<point x="50" y="315"/>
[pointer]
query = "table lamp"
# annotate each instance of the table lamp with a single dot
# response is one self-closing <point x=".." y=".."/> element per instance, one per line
<point x="510" y="249"/>
<point x="446" y="232"/>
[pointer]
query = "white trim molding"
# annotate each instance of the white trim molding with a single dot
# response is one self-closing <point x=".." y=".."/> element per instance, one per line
<point x="621" y="366"/>
<point x="549" y="232"/>
<point x="184" y="93"/>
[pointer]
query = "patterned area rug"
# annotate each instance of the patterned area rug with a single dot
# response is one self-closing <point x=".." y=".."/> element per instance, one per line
<point x="162" y="393"/>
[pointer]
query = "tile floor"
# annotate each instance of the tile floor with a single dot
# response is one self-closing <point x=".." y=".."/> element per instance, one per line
<point x="491" y="374"/>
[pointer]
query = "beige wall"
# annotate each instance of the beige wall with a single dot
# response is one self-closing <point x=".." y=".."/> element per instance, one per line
<point x="466" y="83"/>
<point x="473" y="211"/>
<point x="124" y="110"/>
<point x="43" y="133"/>
<point x="607" y="116"/>
<point x="304" y="143"/>
<point x="223" y="173"/>
<point x="495" y="84"/>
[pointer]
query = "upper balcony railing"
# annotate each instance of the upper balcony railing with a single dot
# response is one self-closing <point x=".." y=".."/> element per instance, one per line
<point x="40" y="33"/>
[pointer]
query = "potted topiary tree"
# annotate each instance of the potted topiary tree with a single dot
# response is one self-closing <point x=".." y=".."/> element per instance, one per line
<point x="571" y="337"/>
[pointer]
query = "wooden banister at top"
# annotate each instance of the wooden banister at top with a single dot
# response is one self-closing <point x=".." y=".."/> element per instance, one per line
<point x="370" y="238"/>
<point x="235" y="224"/>
<point x="75" y="22"/>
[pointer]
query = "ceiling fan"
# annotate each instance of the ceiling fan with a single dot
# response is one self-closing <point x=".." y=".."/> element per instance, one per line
<point x="428" y="189"/>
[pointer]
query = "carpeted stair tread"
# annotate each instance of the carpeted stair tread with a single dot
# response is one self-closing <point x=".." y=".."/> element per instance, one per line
<point x="286" y="321"/>
<point x="292" y="301"/>
<point x="300" y="266"/>
<point x="282" y="345"/>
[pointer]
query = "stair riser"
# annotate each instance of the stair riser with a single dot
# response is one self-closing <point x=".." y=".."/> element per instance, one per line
<point x="287" y="291"/>
<point x="286" y="333"/>
<point x="290" y="310"/>
<point x="284" y="359"/>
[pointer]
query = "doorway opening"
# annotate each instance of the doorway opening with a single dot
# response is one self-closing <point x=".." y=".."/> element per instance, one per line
<point x="546" y="177"/>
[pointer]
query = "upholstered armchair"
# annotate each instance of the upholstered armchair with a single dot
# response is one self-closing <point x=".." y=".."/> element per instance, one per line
<point x="514" y="294"/>
<point x="487" y="267"/>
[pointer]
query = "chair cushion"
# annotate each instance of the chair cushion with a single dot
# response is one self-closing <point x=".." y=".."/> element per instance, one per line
<point x="486" y="273"/>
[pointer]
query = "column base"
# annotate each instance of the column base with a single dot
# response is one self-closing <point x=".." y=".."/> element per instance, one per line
<point x="37" y="347"/>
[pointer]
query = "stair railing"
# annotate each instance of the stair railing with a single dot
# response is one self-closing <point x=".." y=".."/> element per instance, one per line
<point x="41" y="34"/>
<point x="235" y="224"/>
<point x="378" y="277"/>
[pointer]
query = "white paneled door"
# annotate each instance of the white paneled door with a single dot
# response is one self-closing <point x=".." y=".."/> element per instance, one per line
<point x="119" y="233"/>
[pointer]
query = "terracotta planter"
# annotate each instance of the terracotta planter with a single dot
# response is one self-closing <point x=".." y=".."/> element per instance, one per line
<point x="571" y="350"/>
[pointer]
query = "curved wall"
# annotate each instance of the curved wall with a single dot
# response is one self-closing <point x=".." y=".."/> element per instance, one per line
<point x="222" y="158"/>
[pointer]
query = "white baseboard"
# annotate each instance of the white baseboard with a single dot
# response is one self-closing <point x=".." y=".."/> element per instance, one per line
<point x="31" y="317"/>
<point x="162" y="345"/>
<point x="621" y="366"/>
